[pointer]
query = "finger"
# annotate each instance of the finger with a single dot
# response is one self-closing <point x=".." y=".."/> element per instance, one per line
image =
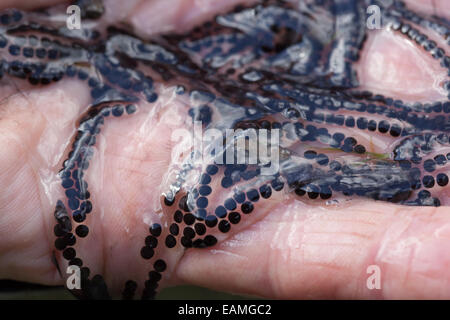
<point x="28" y="5"/>
<point x="160" y="16"/>
<point x="436" y="7"/>
<point x="299" y="252"/>
<point x="116" y="162"/>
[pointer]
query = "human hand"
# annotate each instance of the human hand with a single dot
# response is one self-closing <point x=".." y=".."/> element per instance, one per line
<point x="289" y="247"/>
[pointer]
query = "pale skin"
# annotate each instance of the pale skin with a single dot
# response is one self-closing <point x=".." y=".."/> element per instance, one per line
<point x="289" y="250"/>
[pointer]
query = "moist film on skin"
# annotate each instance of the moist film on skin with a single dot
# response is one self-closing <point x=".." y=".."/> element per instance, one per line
<point x="273" y="71"/>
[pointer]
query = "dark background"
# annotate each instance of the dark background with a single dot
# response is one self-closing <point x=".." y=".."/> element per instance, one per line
<point x="21" y="290"/>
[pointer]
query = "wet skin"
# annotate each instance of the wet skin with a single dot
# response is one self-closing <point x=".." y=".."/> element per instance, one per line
<point x="136" y="214"/>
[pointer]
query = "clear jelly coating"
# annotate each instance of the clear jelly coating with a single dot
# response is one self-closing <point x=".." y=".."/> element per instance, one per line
<point x="157" y="138"/>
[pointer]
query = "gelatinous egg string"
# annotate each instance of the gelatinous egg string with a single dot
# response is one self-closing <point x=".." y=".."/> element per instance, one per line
<point x="279" y="67"/>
